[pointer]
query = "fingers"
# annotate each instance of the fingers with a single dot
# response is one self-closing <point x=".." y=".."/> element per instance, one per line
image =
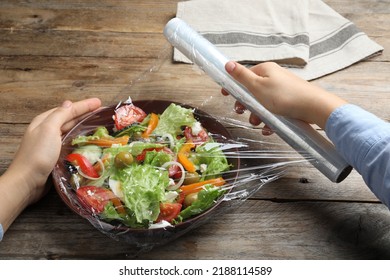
<point x="75" y="111"/>
<point x="252" y="79"/>
<point x="67" y="115"/>
<point x="224" y="92"/>
<point x="80" y="108"/>
<point x="69" y="111"/>
<point x="254" y="120"/>
<point x="243" y="75"/>
<point x="246" y="77"/>
<point x="239" y="108"/>
<point x="267" y="131"/>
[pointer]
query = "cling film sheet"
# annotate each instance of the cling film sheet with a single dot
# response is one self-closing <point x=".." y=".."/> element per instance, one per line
<point x="166" y="156"/>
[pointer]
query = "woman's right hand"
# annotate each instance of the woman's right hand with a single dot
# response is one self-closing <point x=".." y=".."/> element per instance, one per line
<point x="283" y="93"/>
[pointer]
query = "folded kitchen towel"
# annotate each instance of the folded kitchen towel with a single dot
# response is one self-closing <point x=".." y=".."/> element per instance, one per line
<point x="307" y="36"/>
<point x="251" y="30"/>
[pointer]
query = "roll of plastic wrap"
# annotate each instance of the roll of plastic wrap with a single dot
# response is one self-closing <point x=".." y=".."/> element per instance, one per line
<point x="299" y="135"/>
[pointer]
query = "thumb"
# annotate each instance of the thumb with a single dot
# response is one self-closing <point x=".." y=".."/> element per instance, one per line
<point x="243" y="75"/>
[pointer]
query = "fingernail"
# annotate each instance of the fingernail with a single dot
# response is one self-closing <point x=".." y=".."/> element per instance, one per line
<point x="230" y="66"/>
<point x="66" y="104"/>
<point x="239" y="109"/>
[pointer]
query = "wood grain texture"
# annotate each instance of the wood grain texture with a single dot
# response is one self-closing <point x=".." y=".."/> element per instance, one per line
<point x="56" y="50"/>
<point x="254" y="229"/>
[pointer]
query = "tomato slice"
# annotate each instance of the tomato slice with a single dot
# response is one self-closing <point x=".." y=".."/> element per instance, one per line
<point x="96" y="198"/>
<point x="180" y="198"/>
<point x="127" y="115"/>
<point x="168" y="211"/>
<point x="85" y="166"/>
<point x="196" y="139"/>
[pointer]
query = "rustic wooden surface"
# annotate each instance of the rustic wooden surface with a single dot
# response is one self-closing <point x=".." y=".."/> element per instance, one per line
<point x="56" y="50"/>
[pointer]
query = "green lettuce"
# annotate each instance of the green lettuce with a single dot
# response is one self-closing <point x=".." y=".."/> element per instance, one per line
<point x="132" y="130"/>
<point x="135" y="148"/>
<point x="157" y="158"/>
<point x="138" y="147"/>
<point x="173" y="118"/>
<point x="212" y="156"/>
<point x="100" y="133"/>
<point x="206" y="199"/>
<point x="143" y="188"/>
<point x="110" y="214"/>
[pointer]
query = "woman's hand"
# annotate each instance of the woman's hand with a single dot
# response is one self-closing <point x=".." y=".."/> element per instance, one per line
<point x="24" y="181"/>
<point x="283" y="93"/>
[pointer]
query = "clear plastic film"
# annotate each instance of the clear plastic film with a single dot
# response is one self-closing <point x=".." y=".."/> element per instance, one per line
<point x="241" y="179"/>
<point x="297" y="134"/>
<point x="109" y="199"/>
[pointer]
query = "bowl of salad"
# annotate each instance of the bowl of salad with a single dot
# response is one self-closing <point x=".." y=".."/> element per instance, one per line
<point x="145" y="171"/>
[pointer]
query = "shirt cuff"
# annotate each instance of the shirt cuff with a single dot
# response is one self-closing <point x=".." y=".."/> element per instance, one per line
<point x="354" y="132"/>
<point x="363" y="140"/>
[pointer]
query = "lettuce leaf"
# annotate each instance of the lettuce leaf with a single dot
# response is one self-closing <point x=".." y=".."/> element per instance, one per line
<point x="132" y="130"/>
<point x="138" y="147"/>
<point x="110" y="214"/>
<point x="206" y="199"/>
<point x="100" y="133"/>
<point x="212" y="156"/>
<point x="143" y="188"/>
<point x="157" y="158"/>
<point x="135" y="148"/>
<point x="173" y="118"/>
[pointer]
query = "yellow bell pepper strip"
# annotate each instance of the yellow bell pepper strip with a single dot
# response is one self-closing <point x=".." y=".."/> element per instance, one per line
<point x="108" y="142"/>
<point x="182" y="157"/>
<point x="153" y="122"/>
<point x="196" y="187"/>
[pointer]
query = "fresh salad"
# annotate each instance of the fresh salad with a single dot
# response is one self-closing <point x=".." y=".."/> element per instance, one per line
<point x="150" y="171"/>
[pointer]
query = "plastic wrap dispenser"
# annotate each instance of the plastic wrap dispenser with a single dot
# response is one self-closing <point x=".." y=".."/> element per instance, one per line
<point x="298" y="134"/>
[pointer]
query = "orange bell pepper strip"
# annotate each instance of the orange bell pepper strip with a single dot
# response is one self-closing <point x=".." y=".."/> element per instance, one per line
<point x="182" y="157"/>
<point x="118" y="205"/>
<point x="153" y="122"/>
<point x="108" y="142"/>
<point x="196" y="187"/>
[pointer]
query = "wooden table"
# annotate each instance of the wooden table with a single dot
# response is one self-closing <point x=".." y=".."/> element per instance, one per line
<point x="56" y="50"/>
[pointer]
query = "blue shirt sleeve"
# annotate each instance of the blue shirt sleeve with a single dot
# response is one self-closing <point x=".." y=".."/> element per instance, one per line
<point x="1" y="232"/>
<point x="364" y="141"/>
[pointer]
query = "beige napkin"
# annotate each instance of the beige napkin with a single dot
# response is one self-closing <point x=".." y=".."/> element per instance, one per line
<point x="305" y="35"/>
